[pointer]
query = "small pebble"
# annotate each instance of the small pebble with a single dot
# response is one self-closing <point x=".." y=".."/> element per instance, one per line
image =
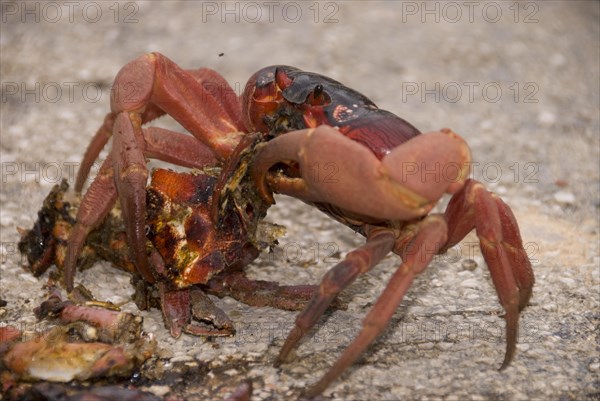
<point x="91" y="334"/>
<point x="564" y="197"/>
<point x="549" y="307"/>
<point x="594" y="367"/>
<point x="181" y="358"/>
<point x="469" y="264"/>
<point x="546" y="118"/>
<point x="566" y="280"/>
<point x="561" y="183"/>
<point x="486" y="125"/>
<point x="28" y="277"/>
<point x="159" y="391"/>
<point x="558" y="60"/>
<point x="67" y="115"/>
<point x="501" y="190"/>
<point x="471" y="283"/>
<point x="231" y="372"/>
<point x="444" y="346"/>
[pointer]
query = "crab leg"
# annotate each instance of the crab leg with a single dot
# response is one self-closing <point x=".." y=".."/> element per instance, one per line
<point x="502" y="248"/>
<point x="177" y="148"/>
<point x="415" y="258"/>
<point x="357" y="262"/>
<point x="131" y="176"/>
<point x="93" y="150"/>
<point x="160" y="82"/>
<point x="215" y="87"/>
<point x="261" y="293"/>
<point x="97" y="202"/>
<point x="100" y="139"/>
<point x="219" y="88"/>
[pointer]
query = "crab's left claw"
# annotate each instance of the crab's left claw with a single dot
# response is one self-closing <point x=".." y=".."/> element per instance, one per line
<point x="181" y="307"/>
<point x="405" y="184"/>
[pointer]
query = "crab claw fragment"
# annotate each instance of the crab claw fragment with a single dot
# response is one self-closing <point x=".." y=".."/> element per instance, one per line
<point x="180" y="306"/>
<point x="90" y="343"/>
<point x="397" y="187"/>
<point x="51" y="357"/>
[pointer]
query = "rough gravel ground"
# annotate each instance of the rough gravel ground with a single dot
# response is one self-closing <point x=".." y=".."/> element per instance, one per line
<point x="532" y="121"/>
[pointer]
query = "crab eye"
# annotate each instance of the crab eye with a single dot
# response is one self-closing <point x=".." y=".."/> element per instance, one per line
<point x="318" y="90"/>
<point x="318" y="97"/>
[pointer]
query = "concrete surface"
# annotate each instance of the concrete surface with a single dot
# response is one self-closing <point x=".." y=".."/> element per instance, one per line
<point x="532" y="123"/>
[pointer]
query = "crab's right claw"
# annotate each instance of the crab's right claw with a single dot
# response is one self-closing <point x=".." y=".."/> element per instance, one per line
<point x="405" y="184"/>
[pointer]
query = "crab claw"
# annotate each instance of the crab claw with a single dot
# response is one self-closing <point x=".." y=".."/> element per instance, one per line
<point x="405" y="184"/>
<point x="181" y="307"/>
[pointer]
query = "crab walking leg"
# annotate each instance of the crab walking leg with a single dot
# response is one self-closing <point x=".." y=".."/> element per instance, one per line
<point x="220" y="89"/>
<point x="97" y="202"/>
<point x="502" y="248"/>
<point x="162" y="144"/>
<point x="415" y="258"/>
<point x="161" y="82"/>
<point x="131" y="176"/>
<point x="100" y="139"/>
<point x="93" y="150"/>
<point x="261" y="293"/>
<point x="177" y="148"/>
<point x="379" y="243"/>
<point x="215" y="87"/>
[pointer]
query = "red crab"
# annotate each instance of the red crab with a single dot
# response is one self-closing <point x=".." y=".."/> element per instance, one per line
<point x="381" y="185"/>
